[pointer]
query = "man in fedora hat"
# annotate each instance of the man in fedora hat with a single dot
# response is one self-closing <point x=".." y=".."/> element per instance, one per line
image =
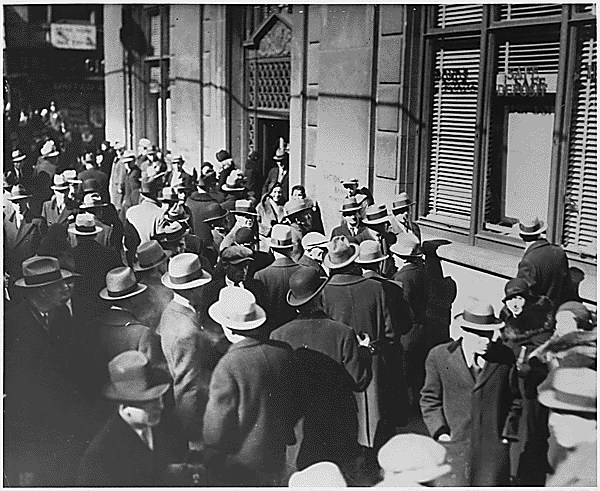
<point x="48" y="160"/>
<point x="105" y="212"/>
<point x="59" y="208"/>
<point x="248" y="418"/>
<point x="298" y="212"/>
<point x="353" y="189"/>
<point x="234" y="189"/>
<point x="352" y="227"/>
<point x="248" y="238"/>
<point x="315" y="248"/>
<point x="92" y="204"/>
<point x="14" y="173"/>
<point x="571" y="394"/>
<point x="377" y="221"/>
<point x="141" y="439"/>
<point x="360" y="303"/>
<point x="92" y="171"/>
<point x="144" y="158"/>
<point x="133" y="183"/>
<point x="45" y="418"/>
<point x="544" y="266"/>
<point x="471" y="401"/>
<point x="187" y="346"/>
<point x="332" y="367"/>
<point x="276" y="277"/>
<point x="402" y="221"/>
<point x="216" y="218"/>
<point x="198" y="205"/>
<point x="299" y="192"/>
<point x="119" y="178"/>
<point x="279" y="173"/>
<point x="178" y="176"/>
<point x="245" y="215"/>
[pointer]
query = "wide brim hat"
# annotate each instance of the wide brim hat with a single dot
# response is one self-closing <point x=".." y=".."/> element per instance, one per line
<point x="61" y="186"/>
<point x="480" y="318"/>
<point x="349" y="182"/>
<point x="371" y="256"/>
<point x="570" y="389"/>
<point x="222" y="214"/>
<point x="295" y="301"/>
<point x="17" y="156"/>
<point x="418" y="475"/>
<point x="295" y="206"/>
<point x="379" y="216"/>
<point x="356" y="252"/>
<point x="19" y="197"/>
<point x="73" y="229"/>
<point x="403" y="201"/>
<point x="406" y="250"/>
<point x="138" y="267"/>
<point x="350" y="205"/>
<point x="54" y="153"/>
<point x="202" y="279"/>
<point x="534" y="228"/>
<point x="244" y="207"/>
<point x="229" y="189"/>
<point x="218" y="312"/>
<point x="105" y="295"/>
<point x="64" y="275"/>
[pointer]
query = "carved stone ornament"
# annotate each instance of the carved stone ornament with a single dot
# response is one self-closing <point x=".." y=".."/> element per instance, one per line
<point x="276" y="43"/>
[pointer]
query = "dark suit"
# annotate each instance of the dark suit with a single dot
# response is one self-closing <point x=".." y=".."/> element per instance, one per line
<point x="51" y="214"/>
<point x="477" y="412"/>
<point x="545" y="267"/>
<point x="22" y="242"/>
<point x="272" y="179"/>
<point x="197" y="204"/>
<point x="311" y="263"/>
<point x="131" y="193"/>
<point x="117" y="457"/>
<point x="362" y="233"/>
<point x="100" y="177"/>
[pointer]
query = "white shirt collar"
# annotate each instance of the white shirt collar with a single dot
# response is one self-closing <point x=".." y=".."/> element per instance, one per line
<point x="228" y="282"/>
<point x="145" y="433"/>
<point x="470" y="357"/>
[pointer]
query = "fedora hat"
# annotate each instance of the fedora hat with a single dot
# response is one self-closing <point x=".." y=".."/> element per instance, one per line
<point x="149" y="255"/>
<point x="340" y="253"/>
<point x="305" y="284"/>
<point x="370" y="252"/>
<point x="128" y="156"/>
<point x="350" y="205"/>
<point x="17" y="156"/>
<point x="281" y="237"/>
<point x="402" y="201"/>
<point x="169" y="232"/>
<point x="236" y="254"/>
<point x="177" y="213"/>
<point x="415" y="458"/>
<point x="18" y="192"/>
<point x="530" y="226"/>
<point x="132" y="380"/>
<point x="90" y="185"/>
<point x="406" y="246"/>
<point x="222" y="155"/>
<point x="119" y="145"/>
<point x="480" y="316"/>
<point x="214" y="211"/>
<point x="376" y="214"/>
<point x="120" y="284"/>
<point x="295" y="206"/>
<point x="570" y="389"/>
<point x="42" y="271"/>
<point x="92" y="200"/>
<point x="145" y="143"/>
<point x="235" y="182"/>
<point x="59" y="182"/>
<point x="185" y="272"/>
<point x="168" y="194"/>
<point x="49" y="149"/>
<point x="349" y="181"/>
<point x="237" y="309"/>
<point x="281" y="151"/>
<point x="516" y="287"/>
<point x="71" y="176"/>
<point x="314" y="239"/>
<point x="321" y="474"/>
<point x="178" y="158"/>
<point x="244" y="207"/>
<point x="85" y="224"/>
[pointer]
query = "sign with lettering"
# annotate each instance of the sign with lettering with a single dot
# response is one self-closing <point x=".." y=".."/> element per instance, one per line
<point x="526" y="82"/>
<point x="455" y="80"/>
<point x="73" y="36"/>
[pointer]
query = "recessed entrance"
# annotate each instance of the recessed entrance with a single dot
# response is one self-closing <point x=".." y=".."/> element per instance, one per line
<point x="269" y="132"/>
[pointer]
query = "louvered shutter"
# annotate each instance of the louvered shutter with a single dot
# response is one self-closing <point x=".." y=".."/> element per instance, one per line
<point x="155" y="34"/>
<point x="454" y="15"/>
<point x="580" y="225"/>
<point x="528" y="11"/>
<point x="454" y="110"/>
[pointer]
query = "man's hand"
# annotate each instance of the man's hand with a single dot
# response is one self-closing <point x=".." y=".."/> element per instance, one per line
<point x="444" y="438"/>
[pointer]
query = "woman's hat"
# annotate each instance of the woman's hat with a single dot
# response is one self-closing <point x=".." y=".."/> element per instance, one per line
<point x="305" y="284"/>
<point x="149" y="255"/>
<point x="480" y="316"/>
<point x="234" y="182"/>
<point x="530" y="226"/>
<point x="516" y="287"/>
<point x="370" y="252"/>
<point x="376" y="214"/>
<point x="168" y="194"/>
<point x="570" y="389"/>
<point x="18" y="192"/>
<point x="236" y="254"/>
<point x="169" y="232"/>
<point x="17" y="156"/>
<point x="121" y="284"/>
<point x="340" y="253"/>
<point x="314" y="239"/>
<point x="402" y="201"/>
<point x="214" y="211"/>
<point x="185" y="272"/>
<point x="59" y="182"/>
<point x="131" y="379"/>
<point x="85" y="224"/>
<point x="415" y="458"/>
<point x="49" y="149"/>
<point x="295" y="206"/>
<point x="281" y="237"/>
<point x="406" y="246"/>
<point x="42" y="271"/>
<point x="350" y="205"/>
<point x="319" y="475"/>
<point x="244" y="207"/>
<point x="237" y="309"/>
<point x="92" y="200"/>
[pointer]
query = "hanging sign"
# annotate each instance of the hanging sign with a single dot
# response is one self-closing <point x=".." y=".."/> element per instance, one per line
<point x="73" y="36"/>
<point x="526" y="82"/>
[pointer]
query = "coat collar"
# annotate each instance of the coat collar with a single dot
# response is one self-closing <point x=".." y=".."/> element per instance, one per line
<point x="245" y="343"/>
<point x="542" y="242"/>
<point x="203" y="197"/>
<point x="119" y="317"/>
<point x="283" y="262"/>
<point x="346" y="279"/>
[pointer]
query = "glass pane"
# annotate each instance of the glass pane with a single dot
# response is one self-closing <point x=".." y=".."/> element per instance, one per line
<point x="524" y="11"/>
<point x="454" y="15"/>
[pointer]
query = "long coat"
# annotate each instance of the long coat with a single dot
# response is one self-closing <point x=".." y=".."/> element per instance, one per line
<point x="362" y="233"/>
<point x="144" y="218"/>
<point x="248" y="412"/>
<point x="116" y="186"/>
<point x="117" y="457"/>
<point x="311" y="263"/>
<point x="276" y="281"/>
<point x="159" y="297"/>
<point x="333" y="366"/>
<point x="52" y="215"/>
<point x="197" y="203"/>
<point x="132" y="188"/>
<point x="22" y="242"/>
<point x="191" y="357"/>
<point x="477" y="413"/>
<point x="545" y="267"/>
<point x="360" y="303"/>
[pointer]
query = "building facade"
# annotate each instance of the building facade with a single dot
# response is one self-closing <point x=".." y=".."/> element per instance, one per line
<point x="482" y="113"/>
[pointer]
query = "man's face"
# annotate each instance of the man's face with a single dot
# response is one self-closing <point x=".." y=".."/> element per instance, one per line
<point x="515" y="305"/>
<point x="177" y="247"/>
<point x="236" y="272"/>
<point x="61" y="194"/>
<point x="351" y="219"/>
<point x="56" y="294"/>
<point x="479" y="341"/>
<point x="179" y="165"/>
<point x="145" y="413"/>
<point x="245" y="220"/>
<point x="401" y="214"/>
<point x="298" y="194"/>
<point x="20" y="205"/>
<point x="571" y="429"/>
<point x="19" y="164"/>
<point x="351" y="189"/>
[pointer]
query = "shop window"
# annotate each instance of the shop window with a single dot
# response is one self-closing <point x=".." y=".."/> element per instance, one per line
<point x="581" y="199"/>
<point x="457" y="14"/>
<point x="528" y="11"/>
<point x="452" y="144"/>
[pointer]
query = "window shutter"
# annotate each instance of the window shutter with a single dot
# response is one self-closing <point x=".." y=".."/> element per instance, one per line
<point x="524" y="11"/>
<point x="581" y="203"/>
<point x="454" y="111"/>
<point x="155" y="34"/>
<point x="454" y="15"/>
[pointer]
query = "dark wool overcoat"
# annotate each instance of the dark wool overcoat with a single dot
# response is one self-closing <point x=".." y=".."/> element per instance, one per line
<point x="476" y="412"/>
<point x="52" y="215"/>
<point x="360" y="303"/>
<point x="362" y="233"/>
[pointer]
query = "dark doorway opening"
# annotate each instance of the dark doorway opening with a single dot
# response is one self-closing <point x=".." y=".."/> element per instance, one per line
<point x="269" y="131"/>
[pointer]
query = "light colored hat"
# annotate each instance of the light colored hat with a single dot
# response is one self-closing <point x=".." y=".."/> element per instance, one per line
<point x="149" y="255"/>
<point x="236" y="254"/>
<point x="17" y="156"/>
<point x="18" y="192"/>
<point x="340" y="253"/>
<point x="120" y="284"/>
<point x="244" y="207"/>
<point x="319" y="475"/>
<point x="402" y="201"/>
<point x="281" y="237"/>
<point x="350" y="205"/>
<point x="128" y="155"/>
<point x="237" y="309"/>
<point x="59" y="182"/>
<point x="234" y="182"/>
<point x="144" y="142"/>
<point x="370" y="252"/>
<point x="168" y="194"/>
<point x="92" y="200"/>
<point x="49" y="149"/>
<point x="185" y="272"/>
<point x="168" y="232"/>
<point x="42" y="271"/>
<point x="85" y="224"/>
<point x="416" y="458"/>
<point x="376" y="214"/>
<point x="178" y="158"/>
<point x="314" y="239"/>
<point x="119" y="145"/>
<point x="583" y="317"/>
<point x="530" y="226"/>
<point x="71" y="176"/>
<point x="406" y="246"/>
<point x="305" y="284"/>
<point x="480" y="316"/>
<point x="349" y="181"/>
<point x="570" y="389"/>
<point x="295" y="206"/>
<point x="131" y="379"/>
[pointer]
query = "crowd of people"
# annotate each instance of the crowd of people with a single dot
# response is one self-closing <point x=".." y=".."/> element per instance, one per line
<point x="169" y="326"/>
